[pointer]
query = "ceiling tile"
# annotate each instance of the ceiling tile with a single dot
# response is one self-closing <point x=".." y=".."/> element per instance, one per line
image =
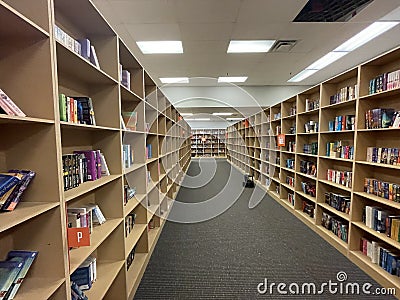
<point x="251" y="30"/>
<point x="195" y="47"/>
<point x="204" y="11"/>
<point x="206" y="31"/>
<point x="154" y="32"/>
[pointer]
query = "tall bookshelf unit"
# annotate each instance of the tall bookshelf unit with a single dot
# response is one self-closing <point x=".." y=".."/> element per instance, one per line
<point x="36" y="68"/>
<point x="282" y="172"/>
<point x="208" y="142"/>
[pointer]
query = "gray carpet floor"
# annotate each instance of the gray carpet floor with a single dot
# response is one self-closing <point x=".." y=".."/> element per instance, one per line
<point x="228" y="256"/>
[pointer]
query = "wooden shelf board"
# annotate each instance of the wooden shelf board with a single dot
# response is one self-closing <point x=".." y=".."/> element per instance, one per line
<point x="75" y="126"/>
<point x="133" y="131"/>
<point x="133" y="203"/>
<point x="383" y="237"/>
<point x="313" y="111"/>
<point x="128" y="95"/>
<point x="375" y="130"/>
<point x="307" y="176"/>
<point x="312" y="199"/>
<point x="133" y="237"/>
<point x="23" y="212"/>
<point x="106" y="274"/>
<point x="150" y="160"/>
<point x="332" y="236"/>
<point x="305" y="154"/>
<point x="6" y="119"/>
<point x="336" y="132"/>
<point x="383" y="94"/>
<point x="340" y="104"/>
<point x="289" y="170"/>
<point x="378" y="165"/>
<point x="151" y="210"/>
<point x="99" y="234"/>
<point x="307" y="133"/>
<point x="288" y="152"/>
<point x="394" y="280"/>
<point x="379" y="199"/>
<point x="304" y="216"/>
<point x="334" y="211"/>
<point x="135" y="269"/>
<point x="88" y="186"/>
<point x="133" y="168"/>
<point x="79" y="68"/>
<point x="339" y="186"/>
<point x="286" y="203"/>
<point x="287" y="186"/>
<point x="153" y="235"/>
<point x="38" y="288"/>
<point x="336" y="158"/>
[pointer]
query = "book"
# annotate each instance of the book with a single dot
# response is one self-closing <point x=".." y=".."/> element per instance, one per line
<point x="6" y="101"/>
<point x="15" y="197"/>
<point x="85" y="48"/>
<point x="93" y="57"/>
<point x="9" y="271"/>
<point x="27" y="258"/>
<point x="104" y="167"/>
<point x="7" y="181"/>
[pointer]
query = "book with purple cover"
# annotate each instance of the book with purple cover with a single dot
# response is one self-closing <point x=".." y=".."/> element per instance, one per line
<point x="91" y="163"/>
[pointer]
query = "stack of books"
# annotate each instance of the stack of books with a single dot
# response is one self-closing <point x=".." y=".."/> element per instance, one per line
<point x="12" y="186"/>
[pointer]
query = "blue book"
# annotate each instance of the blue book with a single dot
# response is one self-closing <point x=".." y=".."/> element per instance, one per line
<point x="27" y="258"/>
<point x="8" y="272"/>
<point x="7" y="181"/>
<point x="85" y="48"/>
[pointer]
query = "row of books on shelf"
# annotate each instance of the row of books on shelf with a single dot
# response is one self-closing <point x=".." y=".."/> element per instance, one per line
<point x="382" y="118"/>
<point x="76" y="109"/>
<point x="291" y="198"/>
<point x="337" y="226"/>
<point x="82" y="47"/>
<point x="340" y="177"/>
<point x="292" y="110"/>
<point x="308" y="208"/>
<point x="277" y="116"/>
<point x="311" y="127"/>
<point x="384" y="82"/>
<point x="311" y="148"/>
<point x="290" y="180"/>
<point x="8" y="106"/>
<point x="386" y="258"/>
<point x="389" y="156"/>
<point x="339" y="149"/>
<point x="12" y="187"/>
<point x="339" y="202"/>
<point x="83" y="166"/>
<point x="289" y="163"/>
<point x="129" y="193"/>
<point x="130" y="258"/>
<point x="127" y="155"/>
<point x="88" y="215"/>
<point x="383" y="221"/>
<point x="311" y="104"/>
<point x="291" y="146"/>
<point x="149" y="151"/>
<point x="345" y="94"/>
<point x="386" y="190"/>
<point x="309" y="188"/>
<point x="308" y="168"/>
<point x="341" y="123"/>
<point x="125" y="77"/>
<point x="77" y="293"/>
<point x="83" y="278"/>
<point x="129" y="223"/>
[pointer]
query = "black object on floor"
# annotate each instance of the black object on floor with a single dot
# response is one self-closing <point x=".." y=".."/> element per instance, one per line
<point x="229" y="256"/>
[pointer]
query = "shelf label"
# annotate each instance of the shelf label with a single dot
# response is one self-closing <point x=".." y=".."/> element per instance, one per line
<point x="78" y="237"/>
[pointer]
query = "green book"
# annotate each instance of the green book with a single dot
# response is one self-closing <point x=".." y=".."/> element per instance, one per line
<point x="63" y="107"/>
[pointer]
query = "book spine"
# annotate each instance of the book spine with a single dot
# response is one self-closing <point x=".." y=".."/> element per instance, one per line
<point x="17" y="111"/>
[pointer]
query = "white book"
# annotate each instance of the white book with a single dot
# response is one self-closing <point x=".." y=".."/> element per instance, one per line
<point x="93" y="57"/>
<point x="104" y="167"/>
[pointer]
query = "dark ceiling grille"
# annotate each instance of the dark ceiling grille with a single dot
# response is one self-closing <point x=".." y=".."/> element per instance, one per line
<point x="330" y="10"/>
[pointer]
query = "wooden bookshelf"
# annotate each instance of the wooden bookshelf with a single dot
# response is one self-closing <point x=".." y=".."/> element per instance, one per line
<point x="208" y="142"/>
<point x="48" y="67"/>
<point x="344" y="94"/>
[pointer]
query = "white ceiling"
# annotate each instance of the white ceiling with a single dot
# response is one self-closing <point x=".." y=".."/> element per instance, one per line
<point x="206" y="26"/>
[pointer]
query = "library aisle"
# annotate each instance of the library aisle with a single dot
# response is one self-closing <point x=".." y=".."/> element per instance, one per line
<point x="229" y="256"/>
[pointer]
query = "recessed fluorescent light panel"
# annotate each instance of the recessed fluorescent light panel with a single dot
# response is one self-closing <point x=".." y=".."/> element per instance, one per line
<point x="232" y="79"/>
<point x="222" y="114"/>
<point x="160" y="47"/>
<point x="198" y="119"/>
<point x="326" y="60"/>
<point x="302" y="75"/>
<point x="186" y="114"/>
<point x="174" y="80"/>
<point x="361" y="38"/>
<point x="369" y="33"/>
<point x="256" y="46"/>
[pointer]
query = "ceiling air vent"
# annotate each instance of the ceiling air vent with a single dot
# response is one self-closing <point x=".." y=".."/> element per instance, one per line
<point x="283" y="45"/>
